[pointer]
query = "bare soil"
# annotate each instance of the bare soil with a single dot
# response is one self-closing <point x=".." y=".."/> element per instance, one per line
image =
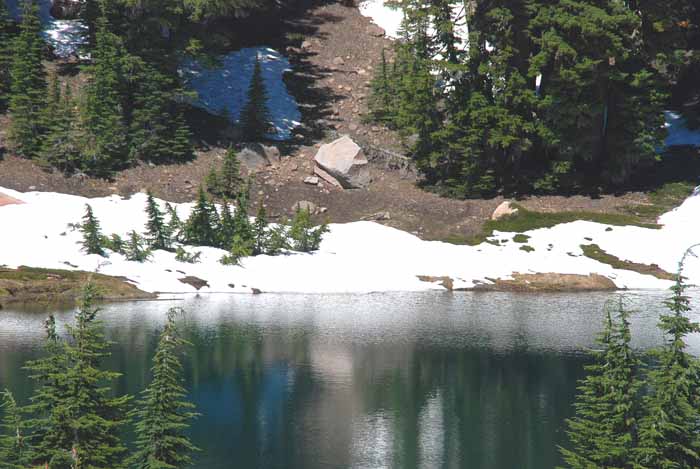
<point x="333" y="65"/>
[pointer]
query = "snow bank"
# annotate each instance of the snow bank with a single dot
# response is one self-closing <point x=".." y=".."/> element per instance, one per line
<point x="678" y="133"/>
<point x="384" y="16"/>
<point x="225" y="89"/>
<point x="354" y="257"/>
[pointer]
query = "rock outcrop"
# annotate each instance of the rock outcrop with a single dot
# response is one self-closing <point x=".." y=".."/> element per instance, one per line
<point x="506" y="209"/>
<point x="342" y="162"/>
<point x="255" y="156"/>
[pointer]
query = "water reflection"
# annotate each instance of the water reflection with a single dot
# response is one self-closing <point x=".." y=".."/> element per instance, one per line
<point x="363" y="381"/>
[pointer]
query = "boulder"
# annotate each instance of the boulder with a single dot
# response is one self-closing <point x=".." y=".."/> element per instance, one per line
<point x="255" y="156"/>
<point x="506" y="209"/>
<point x="305" y="205"/>
<point x="376" y="31"/>
<point x="345" y="162"/>
<point x="312" y="180"/>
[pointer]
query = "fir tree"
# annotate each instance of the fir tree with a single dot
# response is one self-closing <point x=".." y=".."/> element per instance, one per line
<point x="61" y="146"/>
<point x="230" y="180"/>
<point x="136" y="248"/>
<point x="14" y="448"/>
<point x="670" y="425"/>
<point x="92" y="236"/>
<point x="28" y="84"/>
<point x="181" y="255"/>
<point x="227" y="226"/>
<point x="381" y="103"/>
<point x="6" y="41"/>
<point x="260" y="231"/>
<point x="240" y="248"/>
<point x="106" y="145"/>
<point x="175" y="227"/>
<point x="201" y="227"/>
<point x="603" y="431"/>
<point x="278" y="239"/>
<point x="211" y="182"/>
<point x="157" y="232"/>
<point x="243" y="230"/>
<point x="255" y="116"/>
<point x="48" y="410"/>
<point x="304" y="237"/>
<point x="163" y="414"/>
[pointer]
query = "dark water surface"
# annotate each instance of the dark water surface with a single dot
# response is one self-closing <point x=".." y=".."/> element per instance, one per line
<point x="429" y="380"/>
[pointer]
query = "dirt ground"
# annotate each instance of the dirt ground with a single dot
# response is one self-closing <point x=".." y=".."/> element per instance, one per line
<point x="332" y="69"/>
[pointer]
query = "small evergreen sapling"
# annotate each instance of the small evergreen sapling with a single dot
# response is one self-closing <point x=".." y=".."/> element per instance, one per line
<point x="175" y="226"/>
<point x="114" y="243"/>
<point x="14" y="446"/>
<point x="163" y="414"/>
<point x="255" y="116"/>
<point x="202" y="225"/>
<point x="92" y="236"/>
<point x="136" y="248"/>
<point x="181" y="255"/>
<point x="240" y="248"/>
<point x="260" y="231"/>
<point x="157" y="232"/>
<point x="230" y="180"/>
<point x="304" y="237"/>
<point x="227" y="226"/>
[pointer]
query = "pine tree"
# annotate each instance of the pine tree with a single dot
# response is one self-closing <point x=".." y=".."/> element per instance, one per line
<point x="182" y="148"/>
<point x="48" y="410"/>
<point x="74" y="400"/>
<point x="211" y="182"/>
<point x="381" y="103"/>
<point x="14" y="448"/>
<point x="260" y="231"/>
<point x="28" y="84"/>
<point x="92" y="236"/>
<point x="670" y="425"/>
<point x="6" y="40"/>
<point x="201" y="226"/>
<point x="136" y="248"/>
<point x="603" y="431"/>
<point x="227" y="226"/>
<point x="106" y="147"/>
<point x="163" y="414"/>
<point x="240" y="248"/>
<point x="304" y="237"/>
<point x="175" y="226"/>
<point x="230" y="180"/>
<point x="255" y="116"/>
<point x="61" y="146"/>
<point x="243" y="231"/>
<point x="278" y="239"/>
<point x="157" y="232"/>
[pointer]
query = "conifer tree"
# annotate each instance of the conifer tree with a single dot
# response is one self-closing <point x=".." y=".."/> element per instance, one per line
<point x="304" y="237"/>
<point x="670" y="425"/>
<point x="136" y="248"/>
<point x="212" y="182"/>
<point x="240" y="248"/>
<point x="255" y="116"/>
<point x="61" y="146"/>
<point x="201" y="226"/>
<point x="163" y="414"/>
<point x="278" y="239"/>
<point x="106" y="147"/>
<point x="6" y="41"/>
<point x="49" y="420"/>
<point x="28" y="84"/>
<point x="230" y="180"/>
<point x="92" y="235"/>
<point x="175" y="226"/>
<point x="157" y="232"/>
<point x="14" y="448"/>
<point x="260" y="231"/>
<point x="603" y="431"/>
<point x="243" y="230"/>
<point x="227" y="226"/>
<point x="381" y="103"/>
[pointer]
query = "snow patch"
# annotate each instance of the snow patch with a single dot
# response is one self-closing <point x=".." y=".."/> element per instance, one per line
<point x="224" y="90"/>
<point x="354" y="257"/>
<point x="386" y="17"/>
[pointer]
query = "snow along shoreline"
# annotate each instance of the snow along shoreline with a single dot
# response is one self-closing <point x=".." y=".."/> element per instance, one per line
<point x="358" y="257"/>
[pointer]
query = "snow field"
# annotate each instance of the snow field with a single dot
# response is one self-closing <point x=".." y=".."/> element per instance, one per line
<point x="354" y="257"/>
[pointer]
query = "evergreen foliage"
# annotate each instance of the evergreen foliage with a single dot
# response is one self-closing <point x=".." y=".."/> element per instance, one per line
<point x="163" y="414"/>
<point x="106" y="147"/>
<point x="61" y="147"/>
<point x="92" y="236"/>
<point x="157" y="231"/>
<point x="603" y="431"/>
<point x="202" y="225"/>
<point x="14" y="449"/>
<point x="228" y="182"/>
<point x="181" y="255"/>
<point x="175" y="226"/>
<point x="7" y="35"/>
<point x="260" y="231"/>
<point x="255" y="115"/>
<point x="227" y="226"/>
<point x="303" y="236"/>
<point x="28" y="88"/>
<point x="136" y="248"/>
<point x="669" y="430"/>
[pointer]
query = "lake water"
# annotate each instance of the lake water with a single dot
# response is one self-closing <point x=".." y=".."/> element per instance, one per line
<point x="429" y="380"/>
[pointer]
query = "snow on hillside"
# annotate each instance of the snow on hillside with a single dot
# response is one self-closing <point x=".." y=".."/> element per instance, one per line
<point x="354" y="257"/>
<point x="387" y="18"/>
<point x="224" y="89"/>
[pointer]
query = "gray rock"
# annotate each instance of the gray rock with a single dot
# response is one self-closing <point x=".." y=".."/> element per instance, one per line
<point x="305" y="205"/>
<point x="306" y="45"/>
<point x="312" y="180"/>
<point x="379" y="216"/>
<point x="505" y="209"/>
<point x="338" y="61"/>
<point x="255" y="156"/>
<point x="374" y="30"/>
<point x="345" y="161"/>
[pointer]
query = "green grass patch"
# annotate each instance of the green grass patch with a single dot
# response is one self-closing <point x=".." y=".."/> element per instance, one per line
<point x="662" y="200"/>
<point x="527" y="248"/>
<point x="520" y="238"/>
<point x="526" y="220"/>
<point x="593" y="251"/>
